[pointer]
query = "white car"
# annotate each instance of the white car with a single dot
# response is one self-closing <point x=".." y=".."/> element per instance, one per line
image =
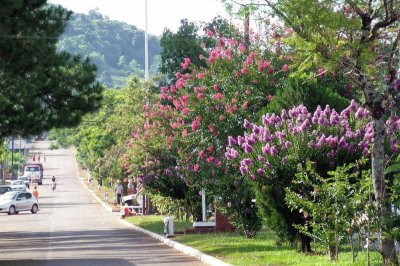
<point x="18" y="185"/>
<point x="15" y="201"/>
<point x="25" y="179"/>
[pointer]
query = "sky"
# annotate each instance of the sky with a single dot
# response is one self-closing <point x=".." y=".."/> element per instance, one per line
<point x="161" y="13"/>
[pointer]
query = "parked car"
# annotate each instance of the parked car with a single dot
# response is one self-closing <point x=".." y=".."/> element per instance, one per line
<point x="4" y="189"/>
<point x="25" y="179"/>
<point x="18" y="185"/>
<point x="15" y="201"/>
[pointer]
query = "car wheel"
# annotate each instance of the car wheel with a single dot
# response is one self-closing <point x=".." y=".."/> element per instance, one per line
<point x="34" y="208"/>
<point x="12" y="210"/>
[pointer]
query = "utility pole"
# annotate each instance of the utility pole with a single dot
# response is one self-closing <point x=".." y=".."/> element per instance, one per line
<point x="247" y="27"/>
<point x="12" y="158"/>
<point x="146" y="44"/>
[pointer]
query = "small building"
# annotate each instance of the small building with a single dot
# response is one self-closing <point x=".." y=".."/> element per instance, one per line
<point x="19" y="145"/>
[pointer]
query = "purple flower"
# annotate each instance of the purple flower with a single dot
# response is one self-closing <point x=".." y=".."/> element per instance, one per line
<point x="247" y="148"/>
<point x="240" y="140"/>
<point x="284" y="114"/>
<point x="261" y="172"/>
<point x="265" y="120"/>
<point x="331" y="154"/>
<point x="266" y="149"/>
<point x="351" y="149"/>
<point x="288" y="144"/>
<point x="261" y="158"/>
<point x="231" y="154"/>
<point x="359" y="113"/>
<point x="246" y="124"/>
<point x="327" y="110"/>
<point x="274" y="151"/>
<point x="246" y="161"/>
<point x="256" y="129"/>
<point x="353" y="105"/>
<point x="342" y="143"/>
<point x="244" y="170"/>
<point x="231" y="141"/>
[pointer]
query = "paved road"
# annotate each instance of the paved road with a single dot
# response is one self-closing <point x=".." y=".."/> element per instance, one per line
<point x="72" y="229"/>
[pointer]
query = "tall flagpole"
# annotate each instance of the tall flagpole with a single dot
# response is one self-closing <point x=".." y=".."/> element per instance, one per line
<point x="146" y="45"/>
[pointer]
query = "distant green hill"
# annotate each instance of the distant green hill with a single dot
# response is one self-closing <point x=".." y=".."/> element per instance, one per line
<point x="115" y="47"/>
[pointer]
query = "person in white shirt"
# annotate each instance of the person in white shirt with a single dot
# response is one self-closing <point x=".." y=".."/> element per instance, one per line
<point x="118" y="191"/>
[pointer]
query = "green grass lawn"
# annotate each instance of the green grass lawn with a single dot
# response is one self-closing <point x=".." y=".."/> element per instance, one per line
<point x="237" y="250"/>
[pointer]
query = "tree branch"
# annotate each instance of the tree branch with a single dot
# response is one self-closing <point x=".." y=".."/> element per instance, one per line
<point x="357" y="9"/>
<point x="392" y="71"/>
<point x="297" y="29"/>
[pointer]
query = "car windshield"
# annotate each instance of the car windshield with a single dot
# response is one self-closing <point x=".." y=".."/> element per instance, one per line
<point x="32" y="169"/>
<point x="16" y="182"/>
<point x="8" y="196"/>
<point x="4" y="189"/>
<point x="22" y="178"/>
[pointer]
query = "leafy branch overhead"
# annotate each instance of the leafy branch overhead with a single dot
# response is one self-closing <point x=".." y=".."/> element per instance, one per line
<point x="40" y="88"/>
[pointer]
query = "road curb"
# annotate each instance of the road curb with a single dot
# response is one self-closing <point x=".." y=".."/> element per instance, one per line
<point x="180" y="247"/>
<point x="91" y="191"/>
<point x="108" y="208"/>
<point x="173" y="244"/>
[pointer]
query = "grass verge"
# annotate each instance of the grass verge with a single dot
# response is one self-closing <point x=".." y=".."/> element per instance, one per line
<point x="262" y="250"/>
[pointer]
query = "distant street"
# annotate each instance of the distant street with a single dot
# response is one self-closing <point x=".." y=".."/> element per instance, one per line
<point x="72" y="228"/>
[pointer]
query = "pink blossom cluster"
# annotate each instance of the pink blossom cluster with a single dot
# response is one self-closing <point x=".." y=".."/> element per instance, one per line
<point x="186" y="63"/>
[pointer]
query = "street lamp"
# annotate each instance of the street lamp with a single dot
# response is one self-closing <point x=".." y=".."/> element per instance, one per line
<point x="146" y="45"/>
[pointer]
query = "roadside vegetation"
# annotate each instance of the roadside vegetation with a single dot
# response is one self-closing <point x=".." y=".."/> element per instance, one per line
<point x="264" y="249"/>
<point x="294" y="129"/>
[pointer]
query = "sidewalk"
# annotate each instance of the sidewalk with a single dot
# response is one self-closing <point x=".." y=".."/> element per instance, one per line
<point x="178" y="246"/>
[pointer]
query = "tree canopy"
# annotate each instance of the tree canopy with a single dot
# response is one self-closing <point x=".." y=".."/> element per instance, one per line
<point x="116" y="48"/>
<point x="40" y="88"/>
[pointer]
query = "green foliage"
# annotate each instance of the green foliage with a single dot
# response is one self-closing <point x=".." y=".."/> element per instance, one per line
<point x="40" y="88"/>
<point x="54" y="146"/>
<point x="62" y="136"/>
<point x="116" y="48"/>
<point x="185" y="43"/>
<point x="335" y="207"/>
<point x="262" y="250"/>
<point x="310" y="94"/>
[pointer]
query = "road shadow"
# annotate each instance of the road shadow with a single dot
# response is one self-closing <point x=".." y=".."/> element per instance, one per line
<point x="120" y="246"/>
<point x="68" y="262"/>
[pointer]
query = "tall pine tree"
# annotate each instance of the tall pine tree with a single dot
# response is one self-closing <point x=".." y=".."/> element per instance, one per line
<point x="40" y="88"/>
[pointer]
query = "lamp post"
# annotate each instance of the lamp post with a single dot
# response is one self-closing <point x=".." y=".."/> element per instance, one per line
<point x="12" y="157"/>
<point x="146" y="44"/>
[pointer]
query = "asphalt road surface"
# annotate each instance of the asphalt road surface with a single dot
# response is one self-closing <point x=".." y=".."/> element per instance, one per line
<point x="72" y="228"/>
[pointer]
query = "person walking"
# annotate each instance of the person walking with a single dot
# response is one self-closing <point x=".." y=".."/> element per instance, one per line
<point x="118" y="191"/>
<point x="35" y="193"/>
<point x="53" y="183"/>
<point x="131" y="187"/>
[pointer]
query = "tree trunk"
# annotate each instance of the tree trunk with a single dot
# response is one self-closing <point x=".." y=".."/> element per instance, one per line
<point x="381" y="198"/>
<point x="333" y="254"/>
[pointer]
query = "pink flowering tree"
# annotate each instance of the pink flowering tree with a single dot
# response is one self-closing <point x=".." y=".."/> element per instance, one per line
<point x="153" y="159"/>
<point x="269" y="154"/>
<point x="213" y="102"/>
